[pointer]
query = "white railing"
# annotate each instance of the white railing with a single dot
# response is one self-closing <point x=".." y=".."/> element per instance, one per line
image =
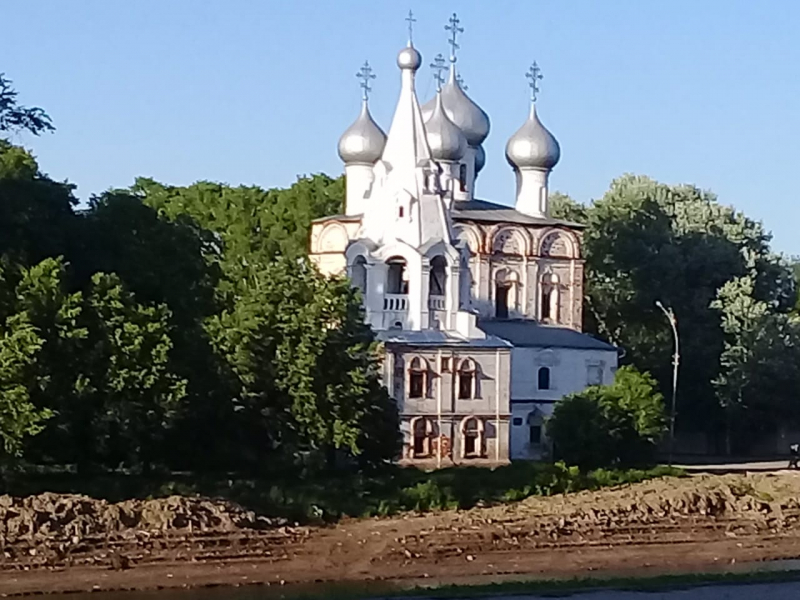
<point x="436" y="302"/>
<point x="396" y="302"/>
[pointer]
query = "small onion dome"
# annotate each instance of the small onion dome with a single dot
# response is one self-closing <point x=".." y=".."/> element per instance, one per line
<point x="480" y="159"/>
<point x="445" y="140"/>
<point x="363" y="141"/>
<point x="532" y="146"/>
<point x="409" y="58"/>
<point x="468" y="116"/>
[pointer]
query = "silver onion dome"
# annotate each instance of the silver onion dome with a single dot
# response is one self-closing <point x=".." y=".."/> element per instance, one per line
<point x="446" y="141"/>
<point x="363" y="141"/>
<point x="480" y="159"/>
<point x="409" y="58"/>
<point x="533" y="146"/>
<point x="468" y="116"/>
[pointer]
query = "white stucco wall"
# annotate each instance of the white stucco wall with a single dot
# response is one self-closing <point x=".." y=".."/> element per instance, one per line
<point x="569" y="373"/>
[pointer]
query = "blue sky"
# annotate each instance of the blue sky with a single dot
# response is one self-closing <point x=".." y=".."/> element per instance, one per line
<point x="255" y="92"/>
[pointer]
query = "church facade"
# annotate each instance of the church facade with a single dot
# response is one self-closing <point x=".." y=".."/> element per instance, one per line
<point x="478" y="303"/>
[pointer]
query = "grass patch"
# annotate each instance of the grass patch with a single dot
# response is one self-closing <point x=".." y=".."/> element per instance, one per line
<point x="328" y="497"/>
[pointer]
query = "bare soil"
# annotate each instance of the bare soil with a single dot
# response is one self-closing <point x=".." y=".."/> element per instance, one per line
<point x="56" y="543"/>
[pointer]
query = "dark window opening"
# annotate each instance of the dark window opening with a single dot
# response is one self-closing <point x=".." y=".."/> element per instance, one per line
<point x="535" y="434"/>
<point x="546" y="305"/>
<point x="465" y="379"/>
<point x="501" y="301"/>
<point x="544" y="378"/>
<point x="517" y="421"/>
<point x="416" y="384"/>
<point x="472" y="439"/>
<point x="462" y="178"/>
<point x="396" y="277"/>
<point x="438" y="276"/>
<point x="421" y="438"/>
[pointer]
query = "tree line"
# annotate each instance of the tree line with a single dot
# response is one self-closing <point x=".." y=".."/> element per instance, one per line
<point x="178" y="327"/>
<point x="735" y="300"/>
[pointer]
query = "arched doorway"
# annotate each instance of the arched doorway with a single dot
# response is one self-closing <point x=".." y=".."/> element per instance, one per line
<point x="472" y="430"/>
<point x="423" y="432"/>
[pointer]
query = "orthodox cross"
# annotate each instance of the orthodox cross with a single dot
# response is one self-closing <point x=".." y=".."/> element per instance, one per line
<point x="461" y="83"/>
<point x="411" y="20"/>
<point x="439" y="68"/>
<point x="454" y="30"/>
<point x="365" y="74"/>
<point x="535" y="76"/>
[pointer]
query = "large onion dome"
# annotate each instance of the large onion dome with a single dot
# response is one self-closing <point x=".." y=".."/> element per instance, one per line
<point x="446" y="141"/>
<point x="533" y="146"/>
<point x="468" y="116"/>
<point x="363" y="141"/>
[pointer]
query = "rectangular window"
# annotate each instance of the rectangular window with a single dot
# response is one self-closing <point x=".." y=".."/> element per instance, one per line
<point x="517" y="421"/>
<point x="465" y="385"/>
<point x="445" y="364"/>
<point x="416" y="385"/>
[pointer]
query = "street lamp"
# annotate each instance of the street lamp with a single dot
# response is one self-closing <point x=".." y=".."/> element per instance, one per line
<point x="668" y="312"/>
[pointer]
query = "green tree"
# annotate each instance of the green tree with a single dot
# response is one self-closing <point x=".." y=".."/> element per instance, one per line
<point x="564" y="207"/>
<point x="251" y="225"/>
<point x="647" y="241"/>
<point x="19" y="417"/>
<point x="14" y="117"/>
<point x="615" y="425"/>
<point x="37" y="219"/>
<point x="759" y="366"/>
<point x="128" y="378"/>
<point x="306" y="364"/>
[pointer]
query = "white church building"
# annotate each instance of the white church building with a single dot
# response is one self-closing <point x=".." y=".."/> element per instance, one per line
<point x="478" y="303"/>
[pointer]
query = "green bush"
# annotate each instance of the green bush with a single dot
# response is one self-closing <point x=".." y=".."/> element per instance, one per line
<point x="617" y="425"/>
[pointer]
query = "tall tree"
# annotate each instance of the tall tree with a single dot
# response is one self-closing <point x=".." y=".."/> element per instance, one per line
<point x="37" y="219"/>
<point x="306" y="365"/>
<point x="759" y="366"/>
<point x="14" y="117"/>
<point x="647" y="241"/>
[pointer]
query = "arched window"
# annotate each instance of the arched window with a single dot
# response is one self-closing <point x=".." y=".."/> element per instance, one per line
<point x="418" y="378"/>
<point x="397" y="276"/>
<point x="544" y="378"/>
<point x="423" y="432"/>
<point x="472" y="432"/>
<point x="467" y="380"/>
<point x="462" y="178"/>
<point x="358" y="274"/>
<point x="438" y="277"/>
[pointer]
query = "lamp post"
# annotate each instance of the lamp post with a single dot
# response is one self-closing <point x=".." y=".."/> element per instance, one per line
<point x="669" y="313"/>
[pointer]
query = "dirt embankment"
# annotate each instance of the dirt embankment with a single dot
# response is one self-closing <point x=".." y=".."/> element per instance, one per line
<point x="59" y="543"/>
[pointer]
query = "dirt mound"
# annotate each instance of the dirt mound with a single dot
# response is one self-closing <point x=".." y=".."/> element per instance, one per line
<point x="63" y="516"/>
<point x="754" y="497"/>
